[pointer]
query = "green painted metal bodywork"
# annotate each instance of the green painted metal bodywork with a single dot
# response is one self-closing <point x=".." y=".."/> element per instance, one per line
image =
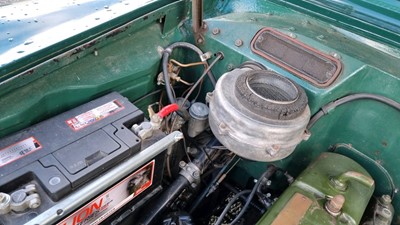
<point x="124" y="55"/>
<point x="125" y="60"/>
<point x="315" y="183"/>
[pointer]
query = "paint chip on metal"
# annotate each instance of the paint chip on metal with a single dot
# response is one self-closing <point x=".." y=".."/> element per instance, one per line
<point x="293" y="211"/>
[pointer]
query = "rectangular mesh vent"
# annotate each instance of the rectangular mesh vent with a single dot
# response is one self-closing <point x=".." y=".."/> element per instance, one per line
<point x="304" y="61"/>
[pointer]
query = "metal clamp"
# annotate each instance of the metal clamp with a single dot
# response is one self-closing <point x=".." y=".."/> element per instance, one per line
<point x="191" y="172"/>
<point x="20" y="200"/>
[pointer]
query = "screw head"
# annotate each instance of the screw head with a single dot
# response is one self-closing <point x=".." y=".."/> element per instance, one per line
<point x="292" y="35"/>
<point x="238" y="42"/>
<point x="230" y="67"/>
<point x="216" y="31"/>
<point x="60" y="212"/>
<point x="336" y="55"/>
<point x="196" y="174"/>
<point x="182" y="164"/>
<point x="18" y="196"/>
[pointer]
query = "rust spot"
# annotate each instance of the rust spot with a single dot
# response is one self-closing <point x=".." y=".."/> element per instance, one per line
<point x="384" y="143"/>
<point x="29" y="72"/>
<point x="90" y="44"/>
<point x="377" y="152"/>
<point x="145" y="17"/>
<point x="116" y="31"/>
<point x="77" y="50"/>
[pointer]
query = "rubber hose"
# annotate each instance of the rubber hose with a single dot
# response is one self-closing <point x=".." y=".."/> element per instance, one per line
<point x="170" y="95"/>
<point x="332" y="105"/>
<point x="228" y="206"/>
<point x="267" y="174"/>
<point x="167" y="53"/>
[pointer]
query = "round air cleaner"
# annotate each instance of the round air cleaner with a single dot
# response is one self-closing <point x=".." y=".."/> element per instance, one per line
<point x="259" y="114"/>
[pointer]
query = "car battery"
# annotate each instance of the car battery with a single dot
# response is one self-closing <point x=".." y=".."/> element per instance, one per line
<point x="54" y="160"/>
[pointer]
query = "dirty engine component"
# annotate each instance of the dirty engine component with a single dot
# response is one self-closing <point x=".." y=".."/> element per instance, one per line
<point x="332" y="188"/>
<point x="259" y="114"/>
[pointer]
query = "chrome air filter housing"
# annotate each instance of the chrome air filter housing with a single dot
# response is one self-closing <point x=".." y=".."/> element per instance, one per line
<point x="259" y="114"/>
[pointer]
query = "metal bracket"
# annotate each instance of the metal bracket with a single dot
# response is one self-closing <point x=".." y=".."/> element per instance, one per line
<point x="199" y="26"/>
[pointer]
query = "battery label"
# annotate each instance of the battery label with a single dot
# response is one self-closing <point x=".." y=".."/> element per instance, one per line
<point x="18" y="150"/>
<point x="113" y="199"/>
<point x="92" y="116"/>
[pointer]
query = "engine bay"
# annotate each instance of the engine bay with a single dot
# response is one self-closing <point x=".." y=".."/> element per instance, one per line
<point x="231" y="112"/>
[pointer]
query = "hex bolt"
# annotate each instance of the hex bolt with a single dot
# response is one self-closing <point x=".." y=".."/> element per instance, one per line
<point x="34" y="204"/>
<point x="292" y="35"/>
<point x="238" y="42"/>
<point x="196" y="174"/>
<point x="386" y="199"/>
<point x="5" y="201"/>
<point x="200" y="40"/>
<point x="182" y="164"/>
<point x="335" y="204"/>
<point x="335" y="55"/>
<point x="216" y="31"/>
<point x="204" y="26"/>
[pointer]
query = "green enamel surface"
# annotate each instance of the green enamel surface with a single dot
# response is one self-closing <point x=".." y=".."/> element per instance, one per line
<point x="314" y="184"/>
<point x="128" y="61"/>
